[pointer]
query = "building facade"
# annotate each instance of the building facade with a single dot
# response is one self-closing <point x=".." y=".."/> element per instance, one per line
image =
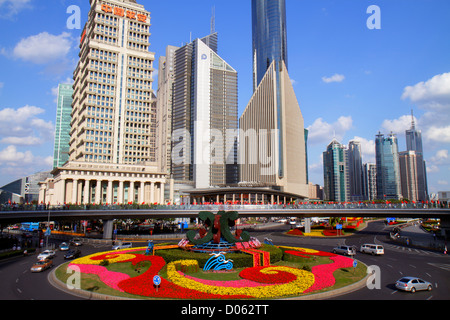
<point x="62" y="127"/>
<point x="388" y="167"/>
<point x="265" y="158"/>
<point x="165" y="104"/>
<point x="269" y="36"/>
<point x="355" y="171"/>
<point x="370" y="181"/>
<point x="114" y="115"/>
<point x="272" y="137"/>
<point x="335" y="173"/>
<point x="204" y="116"/>
<point x="409" y="168"/>
<point x="414" y="144"/>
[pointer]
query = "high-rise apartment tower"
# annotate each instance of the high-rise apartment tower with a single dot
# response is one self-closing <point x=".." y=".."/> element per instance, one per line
<point x="113" y="140"/>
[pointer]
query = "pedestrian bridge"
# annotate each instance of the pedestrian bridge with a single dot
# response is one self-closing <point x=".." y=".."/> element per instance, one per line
<point x="110" y="213"/>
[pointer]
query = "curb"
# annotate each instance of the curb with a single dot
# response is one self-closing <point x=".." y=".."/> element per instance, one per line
<point x="54" y="281"/>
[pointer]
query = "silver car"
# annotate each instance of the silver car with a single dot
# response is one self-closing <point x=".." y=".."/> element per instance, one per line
<point x="345" y="250"/>
<point x="413" y="284"/>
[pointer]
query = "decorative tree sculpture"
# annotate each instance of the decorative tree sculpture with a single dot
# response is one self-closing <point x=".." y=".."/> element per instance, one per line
<point x="219" y="227"/>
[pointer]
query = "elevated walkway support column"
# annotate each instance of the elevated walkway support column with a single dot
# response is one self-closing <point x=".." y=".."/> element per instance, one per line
<point x="108" y="226"/>
<point x="307" y="225"/>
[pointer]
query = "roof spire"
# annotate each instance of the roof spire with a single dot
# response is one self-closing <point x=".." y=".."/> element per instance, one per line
<point x="413" y="123"/>
<point x="213" y="20"/>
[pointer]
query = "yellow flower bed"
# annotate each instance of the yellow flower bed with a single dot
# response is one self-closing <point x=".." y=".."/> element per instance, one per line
<point x="303" y="281"/>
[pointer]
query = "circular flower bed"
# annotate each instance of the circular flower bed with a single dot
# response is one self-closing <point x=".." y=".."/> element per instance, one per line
<point x="179" y="279"/>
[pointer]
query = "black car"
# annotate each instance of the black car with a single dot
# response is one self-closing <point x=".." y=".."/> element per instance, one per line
<point x="72" y="254"/>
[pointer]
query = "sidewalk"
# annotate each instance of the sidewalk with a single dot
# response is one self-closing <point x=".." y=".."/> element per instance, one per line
<point x="413" y="235"/>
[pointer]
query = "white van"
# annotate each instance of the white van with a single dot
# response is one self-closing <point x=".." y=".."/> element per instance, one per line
<point x="374" y="249"/>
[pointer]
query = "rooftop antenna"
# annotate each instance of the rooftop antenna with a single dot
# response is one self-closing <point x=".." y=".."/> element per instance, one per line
<point x="213" y="20"/>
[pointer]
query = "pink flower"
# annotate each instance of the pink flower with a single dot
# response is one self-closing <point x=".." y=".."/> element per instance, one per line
<point x="110" y="278"/>
<point x="324" y="272"/>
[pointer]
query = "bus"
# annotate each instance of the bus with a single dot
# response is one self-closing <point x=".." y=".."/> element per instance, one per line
<point x="29" y="226"/>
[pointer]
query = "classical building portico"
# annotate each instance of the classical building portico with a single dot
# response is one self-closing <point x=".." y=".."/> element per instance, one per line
<point x="94" y="183"/>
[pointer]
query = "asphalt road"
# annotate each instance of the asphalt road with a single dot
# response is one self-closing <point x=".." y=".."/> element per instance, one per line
<point x="398" y="261"/>
<point x="18" y="283"/>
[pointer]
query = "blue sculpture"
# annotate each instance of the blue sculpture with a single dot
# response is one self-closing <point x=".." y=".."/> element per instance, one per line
<point x="217" y="262"/>
<point x="149" y="248"/>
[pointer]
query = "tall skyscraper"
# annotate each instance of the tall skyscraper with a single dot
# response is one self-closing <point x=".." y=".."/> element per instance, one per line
<point x="114" y="107"/>
<point x="388" y="168"/>
<point x="272" y="135"/>
<point x="113" y="141"/>
<point x="414" y="153"/>
<point x="336" y="173"/>
<point x="355" y="171"/>
<point x="410" y="164"/>
<point x="414" y="137"/>
<point x="204" y="116"/>
<point x="62" y="128"/>
<point x="269" y="36"/>
<point x="164" y="103"/>
<point x="370" y="181"/>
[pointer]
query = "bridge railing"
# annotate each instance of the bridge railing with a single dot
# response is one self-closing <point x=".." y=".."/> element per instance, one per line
<point x="229" y="207"/>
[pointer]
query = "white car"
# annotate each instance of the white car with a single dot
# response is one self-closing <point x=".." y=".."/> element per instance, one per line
<point x="124" y="245"/>
<point x="46" y="255"/>
<point x="373" y="249"/>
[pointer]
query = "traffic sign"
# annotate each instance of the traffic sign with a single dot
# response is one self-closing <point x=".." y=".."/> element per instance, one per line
<point x="355" y="263"/>
<point x="157" y="280"/>
<point x="339" y="227"/>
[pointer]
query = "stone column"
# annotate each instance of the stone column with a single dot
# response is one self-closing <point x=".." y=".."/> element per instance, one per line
<point x="98" y="192"/>
<point x="161" y="200"/>
<point x="109" y="192"/>
<point x="142" y="193"/>
<point x="152" y="192"/>
<point x="86" y="192"/>
<point x="75" y="191"/>
<point x="131" y="192"/>
<point x="108" y="226"/>
<point x="120" y="193"/>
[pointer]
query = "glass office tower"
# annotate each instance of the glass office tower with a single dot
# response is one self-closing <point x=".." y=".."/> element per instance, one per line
<point x="269" y="36"/>
<point x="270" y="45"/>
<point x="62" y="131"/>
<point x="388" y="167"/>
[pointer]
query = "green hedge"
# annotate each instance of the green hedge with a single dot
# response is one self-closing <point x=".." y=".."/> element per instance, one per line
<point x="15" y="253"/>
<point x="240" y="260"/>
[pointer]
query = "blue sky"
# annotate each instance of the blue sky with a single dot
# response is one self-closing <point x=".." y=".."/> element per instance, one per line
<point x="351" y="81"/>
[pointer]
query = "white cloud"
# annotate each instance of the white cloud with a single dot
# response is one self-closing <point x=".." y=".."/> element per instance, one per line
<point x="23" y="126"/>
<point x="440" y="157"/>
<point x="323" y="132"/>
<point x="10" y="8"/>
<point x="398" y="126"/>
<point x="435" y="89"/>
<point x="437" y="134"/>
<point x="1" y="85"/>
<point x="21" y="141"/>
<point x="13" y="157"/>
<point x="43" y="48"/>
<point x="334" y="78"/>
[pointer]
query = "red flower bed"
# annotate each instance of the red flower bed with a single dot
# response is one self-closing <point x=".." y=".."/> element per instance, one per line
<point x="277" y="277"/>
<point x="305" y="254"/>
<point x="295" y="232"/>
<point x="143" y="285"/>
<point x="332" y="232"/>
<point x="324" y="273"/>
